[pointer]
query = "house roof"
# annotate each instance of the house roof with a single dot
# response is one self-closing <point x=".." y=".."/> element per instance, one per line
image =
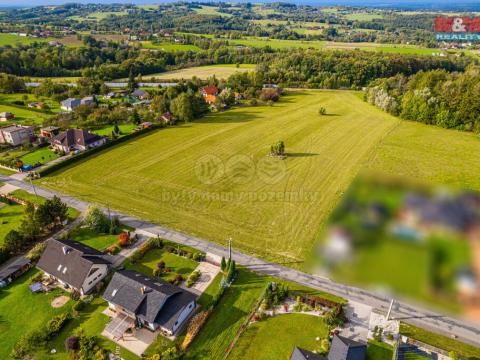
<point x="71" y="102"/>
<point x="69" y="261"/>
<point x="15" y="127"/>
<point x="343" y="348"/>
<point x="73" y="137"/>
<point x="210" y="90"/>
<point x="154" y="300"/>
<point x="139" y="92"/>
<point x="455" y="212"/>
<point x="302" y="354"/>
<point x="13" y="266"/>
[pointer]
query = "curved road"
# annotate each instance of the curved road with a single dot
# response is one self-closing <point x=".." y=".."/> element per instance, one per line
<point x="463" y="329"/>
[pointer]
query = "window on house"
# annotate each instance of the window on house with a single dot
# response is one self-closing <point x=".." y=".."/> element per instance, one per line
<point x="59" y="267"/>
<point x="64" y="270"/>
<point x="93" y="271"/>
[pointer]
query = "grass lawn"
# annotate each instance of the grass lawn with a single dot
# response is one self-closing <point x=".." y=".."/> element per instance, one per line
<point x="10" y="39"/>
<point x="201" y="72"/>
<point x="92" y="321"/>
<point x="10" y="219"/>
<point x="440" y="341"/>
<point x="379" y="351"/>
<point x="276" y="337"/>
<point x="21" y="311"/>
<point x="26" y="196"/>
<point x="92" y="239"/>
<point x="41" y="155"/>
<point x="6" y="172"/>
<point x="230" y="313"/>
<point x="430" y="154"/>
<point x="381" y="265"/>
<point x="125" y="129"/>
<point x="154" y="176"/>
<point x="23" y="115"/>
<point x="169" y="46"/>
<point x="178" y="264"/>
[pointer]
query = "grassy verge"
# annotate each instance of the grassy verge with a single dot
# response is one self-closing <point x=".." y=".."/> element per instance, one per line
<point x="439" y="341"/>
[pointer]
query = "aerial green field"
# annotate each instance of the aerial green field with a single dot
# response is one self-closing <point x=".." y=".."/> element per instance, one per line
<point x="10" y="219"/>
<point x="213" y="178"/>
<point x="262" y="203"/>
<point x="202" y="72"/>
<point x="11" y="39"/>
<point x="211" y="10"/>
<point x="430" y="154"/>
<point x="168" y="46"/>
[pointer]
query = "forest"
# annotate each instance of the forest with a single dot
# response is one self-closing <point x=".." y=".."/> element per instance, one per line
<point x="436" y="97"/>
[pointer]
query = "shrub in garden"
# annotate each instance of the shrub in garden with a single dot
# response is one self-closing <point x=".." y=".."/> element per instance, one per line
<point x="194" y="327"/>
<point x="194" y="276"/>
<point x="96" y="220"/>
<point x="37" y="251"/>
<point x="72" y="343"/>
<point x="322" y="111"/>
<point x="223" y="264"/>
<point x="124" y="239"/>
<point x="113" y="249"/>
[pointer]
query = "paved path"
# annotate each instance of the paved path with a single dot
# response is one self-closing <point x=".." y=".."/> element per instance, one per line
<point x="463" y="329"/>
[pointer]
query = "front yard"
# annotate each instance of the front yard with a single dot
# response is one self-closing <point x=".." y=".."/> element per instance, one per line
<point x="10" y="219"/>
<point x="89" y="237"/>
<point x="177" y="264"/>
<point x="21" y="311"/>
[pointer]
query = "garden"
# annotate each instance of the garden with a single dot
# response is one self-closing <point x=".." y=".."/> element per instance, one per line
<point x="164" y="259"/>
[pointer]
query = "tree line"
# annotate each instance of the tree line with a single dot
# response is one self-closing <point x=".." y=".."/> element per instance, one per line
<point x="436" y="97"/>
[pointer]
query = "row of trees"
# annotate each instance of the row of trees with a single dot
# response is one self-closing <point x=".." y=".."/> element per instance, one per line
<point x="37" y="222"/>
<point x="436" y="97"/>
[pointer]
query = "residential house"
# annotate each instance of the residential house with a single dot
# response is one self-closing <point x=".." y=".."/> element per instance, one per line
<point x="140" y="94"/>
<point x="210" y="93"/>
<point x="49" y="131"/>
<point x="16" y="134"/>
<point x="36" y="105"/>
<point x="167" y="118"/>
<point x="148" y="302"/>
<point x="6" y="116"/>
<point x="70" y="104"/>
<point x="74" y="265"/>
<point x="341" y="348"/>
<point x="110" y="95"/>
<point x="12" y="269"/>
<point x="88" y="101"/>
<point x="77" y="139"/>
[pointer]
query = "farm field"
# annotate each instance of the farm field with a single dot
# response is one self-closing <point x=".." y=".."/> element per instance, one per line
<point x="168" y="46"/>
<point x="11" y="39"/>
<point x="201" y="72"/>
<point x="24" y="115"/>
<point x="431" y="155"/>
<point x="276" y="337"/>
<point x="156" y="172"/>
<point x="390" y="48"/>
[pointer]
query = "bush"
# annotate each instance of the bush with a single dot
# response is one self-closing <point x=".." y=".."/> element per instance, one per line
<point x="37" y="251"/>
<point x="113" y="249"/>
<point x="96" y="220"/>
<point x="322" y="111"/>
<point x="123" y="239"/>
<point x="72" y="343"/>
<point x="194" y="276"/>
<point x="56" y="324"/>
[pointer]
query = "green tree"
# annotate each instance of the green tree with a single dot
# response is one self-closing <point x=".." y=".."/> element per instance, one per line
<point x="96" y="220"/>
<point x="13" y="241"/>
<point x="181" y="107"/>
<point x="29" y="227"/>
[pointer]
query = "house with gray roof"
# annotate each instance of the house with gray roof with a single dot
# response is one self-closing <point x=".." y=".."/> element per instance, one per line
<point x="77" y="139"/>
<point x="12" y="269"/>
<point x="152" y="303"/>
<point x="341" y="348"/>
<point x="70" y="104"/>
<point x="74" y="265"/>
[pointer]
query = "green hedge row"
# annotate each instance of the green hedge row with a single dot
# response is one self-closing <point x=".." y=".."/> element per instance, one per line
<point x="85" y="154"/>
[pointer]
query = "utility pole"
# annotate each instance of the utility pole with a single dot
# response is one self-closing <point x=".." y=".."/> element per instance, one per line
<point x="31" y="183"/>
<point x="390" y="309"/>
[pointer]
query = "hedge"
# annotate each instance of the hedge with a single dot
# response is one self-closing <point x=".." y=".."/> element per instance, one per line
<point x="83" y="155"/>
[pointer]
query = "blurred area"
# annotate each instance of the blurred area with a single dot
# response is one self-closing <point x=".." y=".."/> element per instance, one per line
<point x="407" y="241"/>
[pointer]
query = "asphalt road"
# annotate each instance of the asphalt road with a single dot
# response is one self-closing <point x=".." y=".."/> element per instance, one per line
<point x="415" y="315"/>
